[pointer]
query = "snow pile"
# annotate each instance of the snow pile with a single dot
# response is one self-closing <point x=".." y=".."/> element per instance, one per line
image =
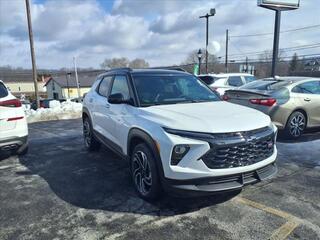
<point x="56" y="111"/>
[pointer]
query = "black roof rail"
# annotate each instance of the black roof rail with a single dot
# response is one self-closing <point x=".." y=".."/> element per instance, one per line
<point x="120" y="69"/>
<point x="170" y="68"/>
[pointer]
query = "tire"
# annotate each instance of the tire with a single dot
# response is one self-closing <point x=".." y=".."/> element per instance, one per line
<point x="144" y="173"/>
<point x="296" y="125"/>
<point x="90" y="142"/>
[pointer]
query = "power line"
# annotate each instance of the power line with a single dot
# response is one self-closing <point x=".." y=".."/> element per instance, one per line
<point x="270" y="33"/>
<point x="288" y="49"/>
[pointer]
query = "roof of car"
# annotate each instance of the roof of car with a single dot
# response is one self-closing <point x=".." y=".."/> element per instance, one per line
<point x="288" y="78"/>
<point x="148" y="71"/>
<point x="231" y="74"/>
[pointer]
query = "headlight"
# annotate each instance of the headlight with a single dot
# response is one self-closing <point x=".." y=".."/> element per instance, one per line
<point x="178" y="152"/>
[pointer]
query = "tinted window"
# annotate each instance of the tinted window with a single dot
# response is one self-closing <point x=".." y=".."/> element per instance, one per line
<point x="3" y="90"/>
<point x="207" y="79"/>
<point x="120" y="85"/>
<point x="249" y="79"/>
<point x="235" y="81"/>
<point x="104" y="86"/>
<point x="172" y="89"/>
<point x="308" y="88"/>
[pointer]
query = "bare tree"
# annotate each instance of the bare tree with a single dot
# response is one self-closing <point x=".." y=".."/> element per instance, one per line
<point x="115" y="63"/>
<point x="138" y="63"/>
<point x="192" y="58"/>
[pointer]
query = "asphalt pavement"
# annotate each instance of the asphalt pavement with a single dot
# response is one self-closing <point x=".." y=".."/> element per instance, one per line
<point x="60" y="191"/>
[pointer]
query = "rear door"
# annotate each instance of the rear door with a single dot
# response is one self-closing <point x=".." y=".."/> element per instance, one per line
<point x="307" y="95"/>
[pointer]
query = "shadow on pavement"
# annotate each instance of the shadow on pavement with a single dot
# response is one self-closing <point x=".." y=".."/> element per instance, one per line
<point x="308" y="136"/>
<point x="101" y="181"/>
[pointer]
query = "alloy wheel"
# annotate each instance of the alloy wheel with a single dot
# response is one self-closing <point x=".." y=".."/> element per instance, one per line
<point x="141" y="172"/>
<point x="297" y="125"/>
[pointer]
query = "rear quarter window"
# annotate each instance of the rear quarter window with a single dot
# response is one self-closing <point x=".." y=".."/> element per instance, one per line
<point x="3" y="90"/>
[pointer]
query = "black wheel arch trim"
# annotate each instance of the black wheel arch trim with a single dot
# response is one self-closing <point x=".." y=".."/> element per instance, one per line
<point x="146" y="138"/>
<point x="86" y="112"/>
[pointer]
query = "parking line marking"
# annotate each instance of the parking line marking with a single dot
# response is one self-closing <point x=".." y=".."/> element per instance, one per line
<point x="265" y="208"/>
<point x="284" y="231"/>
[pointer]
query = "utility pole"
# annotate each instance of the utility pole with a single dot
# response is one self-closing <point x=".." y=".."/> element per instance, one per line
<point x="33" y="59"/>
<point x="227" y="45"/>
<point x="212" y="13"/>
<point x="247" y="70"/>
<point x="276" y="42"/>
<point x="76" y="74"/>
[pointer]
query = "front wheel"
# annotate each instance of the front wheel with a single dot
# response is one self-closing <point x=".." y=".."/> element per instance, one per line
<point x="296" y="125"/>
<point x="90" y="142"/>
<point x="144" y="173"/>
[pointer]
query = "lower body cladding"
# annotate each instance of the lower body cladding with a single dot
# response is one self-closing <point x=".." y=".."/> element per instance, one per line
<point x="221" y="162"/>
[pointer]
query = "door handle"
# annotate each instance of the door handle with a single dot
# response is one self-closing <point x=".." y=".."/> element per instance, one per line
<point x="107" y="105"/>
<point x="307" y="99"/>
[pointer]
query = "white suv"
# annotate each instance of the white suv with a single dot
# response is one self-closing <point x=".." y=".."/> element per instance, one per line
<point x="13" y="124"/>
<point x="176" y="133"/>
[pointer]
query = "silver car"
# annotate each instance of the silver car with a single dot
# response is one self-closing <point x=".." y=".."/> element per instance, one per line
<point x="293" y="103"/>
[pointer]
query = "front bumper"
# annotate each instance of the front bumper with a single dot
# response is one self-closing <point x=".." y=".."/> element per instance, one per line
<point x="211" y="185"/>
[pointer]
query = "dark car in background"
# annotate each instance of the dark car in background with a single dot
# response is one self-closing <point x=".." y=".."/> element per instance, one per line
<point x="293" y="103"/>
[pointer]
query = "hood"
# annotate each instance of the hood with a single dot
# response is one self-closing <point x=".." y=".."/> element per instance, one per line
<point x="209" y="117"/>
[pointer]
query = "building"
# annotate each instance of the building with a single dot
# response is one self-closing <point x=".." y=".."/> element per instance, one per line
<point x="312" y="65"/>
<point x="20" y="83"/>
<point x="64" y="86"/>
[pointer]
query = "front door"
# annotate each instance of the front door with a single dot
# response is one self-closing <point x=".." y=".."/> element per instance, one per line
<point x="308" y="94"/>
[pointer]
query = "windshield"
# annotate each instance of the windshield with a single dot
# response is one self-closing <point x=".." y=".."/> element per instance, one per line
<point x="171" y="89"/>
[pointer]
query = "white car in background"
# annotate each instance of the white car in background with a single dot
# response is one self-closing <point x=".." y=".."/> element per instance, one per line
<point x="227" y="81"/>
<point x="13" y="124"/>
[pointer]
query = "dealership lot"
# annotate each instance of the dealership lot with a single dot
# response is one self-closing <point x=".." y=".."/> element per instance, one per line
<point x="60" y="191"/>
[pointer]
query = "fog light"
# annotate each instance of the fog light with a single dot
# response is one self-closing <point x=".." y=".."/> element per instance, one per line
<point x="178" y="152"/>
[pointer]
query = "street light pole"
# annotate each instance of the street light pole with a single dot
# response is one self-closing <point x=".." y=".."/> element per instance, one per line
<point x="33" y="59"/>
<point x="76" y="74"/>
<point x="199" y="59"/>
<point x="212" y="13"/>
<point x="227" y="45"/>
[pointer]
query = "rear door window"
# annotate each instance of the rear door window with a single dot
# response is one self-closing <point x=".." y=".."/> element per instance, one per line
<point x="3" y="90"/>
<point x="308" y="88"/>
<point x="235" y="81"/>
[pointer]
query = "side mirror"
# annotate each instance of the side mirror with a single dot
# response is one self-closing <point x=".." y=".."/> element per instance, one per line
<point x="117" y="98"/>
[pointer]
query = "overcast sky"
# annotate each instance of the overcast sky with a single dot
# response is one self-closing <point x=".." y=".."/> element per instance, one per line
<point x="160" y="31"/>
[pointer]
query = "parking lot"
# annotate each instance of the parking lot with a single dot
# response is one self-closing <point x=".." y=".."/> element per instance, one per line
<point x="60" y="191"/>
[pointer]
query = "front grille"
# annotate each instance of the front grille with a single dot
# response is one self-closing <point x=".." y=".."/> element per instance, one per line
<point x="248" y="148"/>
